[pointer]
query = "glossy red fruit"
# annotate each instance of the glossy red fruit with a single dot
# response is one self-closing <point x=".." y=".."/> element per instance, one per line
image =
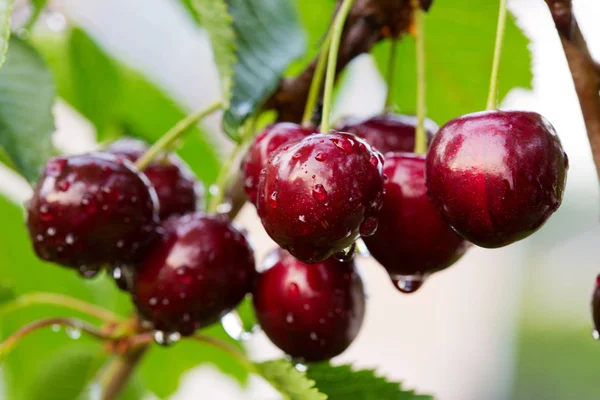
<point x="596" y="309"/>
<point x="91" y="210"/>
<point x="177" y="189"/>
<point x="312" y="312"/>
<point x="389" y="132"/>
<point x="496" y="176"/>
<point x="317" y="196"/>
<point x="269" y="140"/>
<point x="412" y="240"/>
<point x="200" y="270"/>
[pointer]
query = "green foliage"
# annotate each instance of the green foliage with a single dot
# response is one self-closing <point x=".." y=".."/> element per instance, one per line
<point x="459" y="42"/>
<point x="342" y="382"/>
<point x="289" y="381"/>
<point x="5" y="12"/>
<point x="26" y="99"/>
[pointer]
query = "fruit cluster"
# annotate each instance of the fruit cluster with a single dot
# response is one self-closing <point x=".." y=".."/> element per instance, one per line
<point x="490" y="179"/>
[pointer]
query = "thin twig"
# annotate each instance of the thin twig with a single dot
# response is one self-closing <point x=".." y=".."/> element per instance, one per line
<point x="118" y="371"/>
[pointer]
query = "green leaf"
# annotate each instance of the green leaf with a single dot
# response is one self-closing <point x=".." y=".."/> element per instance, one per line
<point x="215" y="19"/>
<point x="342" y="382"/>
<point x="268" y="38"/>
<point x="6" y="7"/>
<point x="26" y="99"/>
<point x="289" y="381"/>
<point x="459" y="41"/>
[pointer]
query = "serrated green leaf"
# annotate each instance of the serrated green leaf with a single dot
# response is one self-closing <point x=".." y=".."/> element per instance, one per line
<point x="289" y="381"/>
<point x="215" y="19"/>
<point x="26" y="99"/>
<point x="344" y="383"/>
<point x="459" y="41"/>
<point x="6" y="7"/>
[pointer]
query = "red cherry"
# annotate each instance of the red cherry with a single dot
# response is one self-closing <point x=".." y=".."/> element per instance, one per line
<point x="496" y="176"/>
<point x="200" y="270"/>
<point x="412" y="240"/>
<point x="312" y="312"/>
<point x="317" y="196"/>
<point x="91" y="210"/>
<point x="269" y="140"/>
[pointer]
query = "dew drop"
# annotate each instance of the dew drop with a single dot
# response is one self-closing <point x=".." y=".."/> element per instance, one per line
<point x="302" y="218"/>
<point x="347" y="254"/>
<point x="369" y="227"/>
<point x="120" y="244"/>
<point x="346" y="145"/>
<point x="300" y="367"/>
<point x="321" y="157"/>
<point x="289" y="318"/>
<point x="234" y="327"/>
<point x="39" y="237"/>
<point x="306" y="307"/>
<point x="153" y="301"/>
<point x="69" y="239"/>
<point x="166" y="339"/>
<point x="409" y="283"/>
<point x="296" y="156"/>
<point x="73" y="332"/>
<point x="55" y="328"/>
<point x="184" y="275"/>
<point x="313" y="336"/>
<point x="596" y="334"/>
<point x="374" y="161"/>
<point x="273" y="200"/>
<point x="88" y="272"/>
<point x="319" y="192"/>
<point x="45" y="212"/>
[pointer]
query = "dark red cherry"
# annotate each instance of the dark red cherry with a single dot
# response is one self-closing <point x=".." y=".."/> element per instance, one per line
<point x="177" y="189"/>
<point x="312" y="312"/>
<point x="389" y="132"/>
<point x="317" y="196"/>
<point x="91" y="210"/>
<point x="269" y="140"/>
<point x="596" y="309"/>
<point x="496" y="176"/>
<point x="412" y="240"/>
<point x="200" y="270"/>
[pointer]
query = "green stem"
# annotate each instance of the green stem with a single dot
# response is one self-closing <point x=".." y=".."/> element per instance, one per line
<point x="34" y="16"/>
<point x="175" y="133"/>
<point x="118" y="371"/>
<point x="420" y="133"/>
<point x="492" y="101"/>
<point x="317" y="82"/>
<point x="28" y="329"/>
<point x="60" y="300"/>
<point x="391" y="73"/>
<point x="334" y="48"/>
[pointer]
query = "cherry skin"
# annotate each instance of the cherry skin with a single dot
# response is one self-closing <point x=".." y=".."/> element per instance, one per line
<point x="311" y="312"/>
<point x="412" y="240"/>
<point x="317" y="196"/>
<point x="90" y="210"/>
<point x="269" y="140"/>
<point x="596" y="308"/>
<point x="200" y="270"/>
<point x="389" y="132"/>
<point x="177" y="189"/>
<point x="496" y="176"/>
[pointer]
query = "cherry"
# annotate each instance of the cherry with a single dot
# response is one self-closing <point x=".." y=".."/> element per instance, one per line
<point x="496" y="176"/>
<point x="389" y="132"/>
<point x="596" y="308"/>
<point x="312" y="312"/>
<point x="200" y="270"/>
<point x="177" y="189"/>
<point x="412" y="240"/>
<point x="269" y="140"/>
<point x="317" y="196"/>
<point x="90" y="210"/>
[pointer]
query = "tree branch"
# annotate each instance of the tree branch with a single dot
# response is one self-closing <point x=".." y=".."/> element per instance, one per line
<point x="585" y="72"/>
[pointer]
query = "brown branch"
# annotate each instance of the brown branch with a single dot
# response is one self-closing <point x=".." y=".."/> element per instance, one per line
<point x="585" y="72"/>
<point x="369" y="22"/>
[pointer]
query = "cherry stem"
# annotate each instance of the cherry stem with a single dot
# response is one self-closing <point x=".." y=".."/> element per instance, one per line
<point x="237" y="354"/>
<point x="420" y="133"/>
<point x="334" y="48"/>
<point x="118" y="370"/>
<point x="74" y="323"/>
<point x="391" y="74"/>
<point x="492" y="101"/>
<point x="176" y="132"/>
<point x="42" y="298"/>
<point x="316" y="83"/>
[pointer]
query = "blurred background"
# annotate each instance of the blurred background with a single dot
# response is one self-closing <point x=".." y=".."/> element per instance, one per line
<point x="511" y="323"/>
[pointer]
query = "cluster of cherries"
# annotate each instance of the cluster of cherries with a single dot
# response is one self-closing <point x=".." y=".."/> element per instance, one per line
<point x="489" y="178"/>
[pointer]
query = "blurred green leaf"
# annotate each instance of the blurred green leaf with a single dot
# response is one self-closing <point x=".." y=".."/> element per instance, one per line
<point x="342" y="382"/>
<point x="215" y="19"/>
<point x="289" y="381"/>
<point x="26" y="99"/>
<point x="459" y="41"/>
<point x="6" y="7"/>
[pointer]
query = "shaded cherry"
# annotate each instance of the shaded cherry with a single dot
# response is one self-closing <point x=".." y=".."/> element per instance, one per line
<point x="90" y="210"/>
<point x="596" y="308"/>
<point x="496" y="176"/>
<point x="311" y="312"/>
<point x="317" y="196"/>
<point x="412" y="240"/>
<point x="388" y="132"/>
<point x="176" y="186"/>
<point x="200" y="270"/>
<point x="269" y="140"/>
